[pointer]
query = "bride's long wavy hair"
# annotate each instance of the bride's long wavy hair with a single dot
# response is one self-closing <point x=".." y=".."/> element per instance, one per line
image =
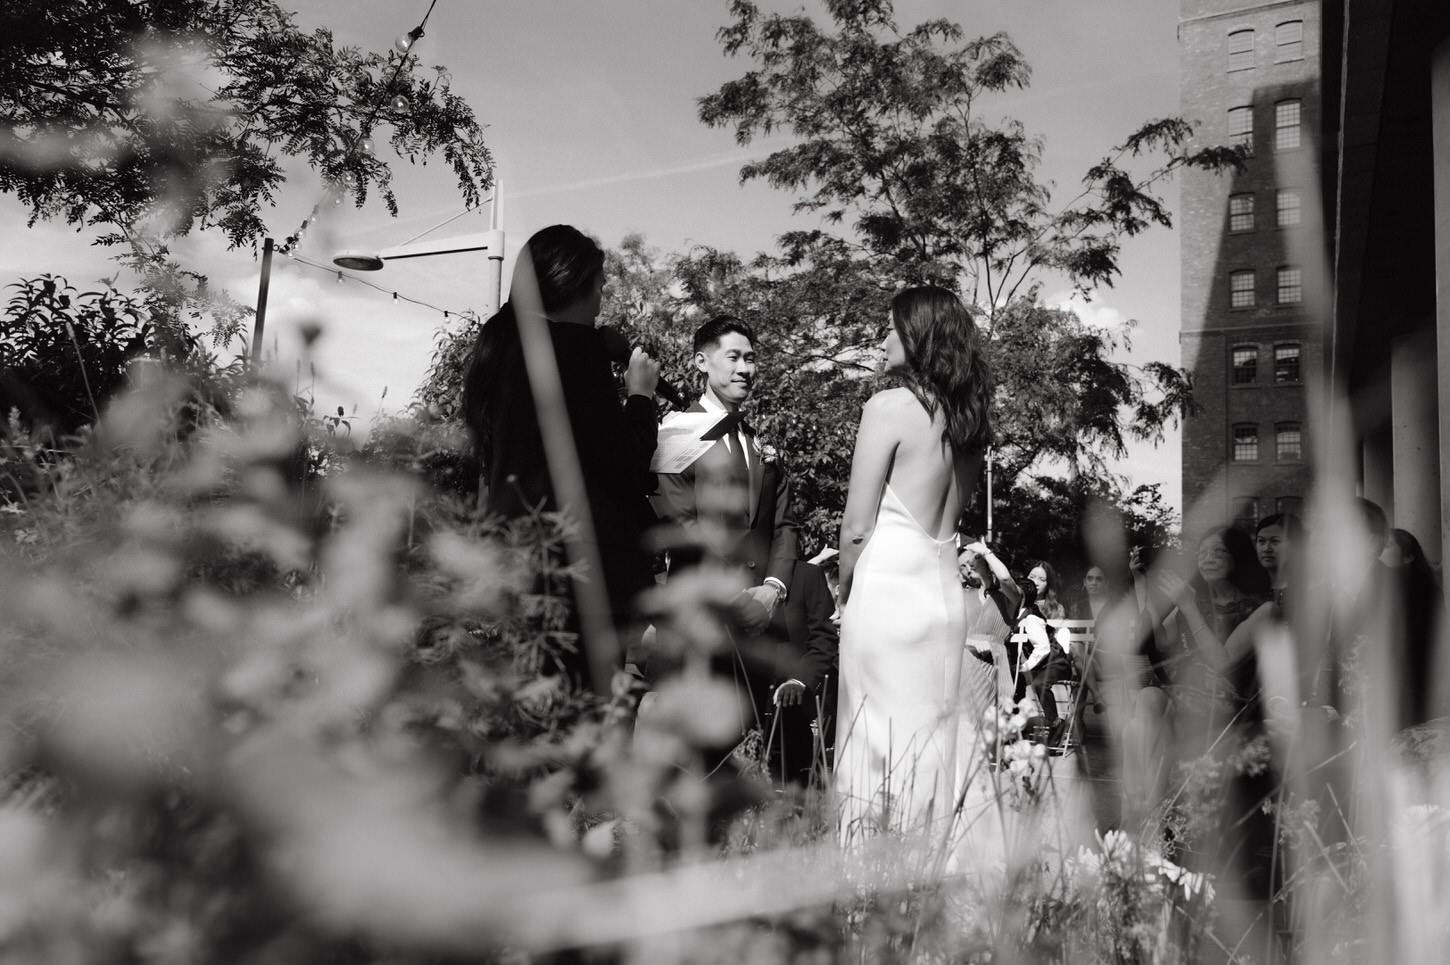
<point x="944" y="364"/>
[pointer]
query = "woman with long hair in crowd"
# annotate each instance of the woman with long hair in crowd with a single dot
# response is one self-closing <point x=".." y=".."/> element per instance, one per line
<point x="559" y="284"/>
<point x="1217" y="706"/>
<point x="918" y="456"/>
<point x="1043" y="576"/>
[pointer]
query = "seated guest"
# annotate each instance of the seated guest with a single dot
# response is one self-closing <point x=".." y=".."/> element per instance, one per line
<point x="1039" y="659"/>
<point x="1096" y="595"/>
<point x="801" y="690"/>
<point x="1044" y="577"/>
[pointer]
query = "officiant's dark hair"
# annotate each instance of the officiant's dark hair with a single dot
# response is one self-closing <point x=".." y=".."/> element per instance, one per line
<point x="945" y="368"/>
<point x="717" y="328"/>
<point x="565" y="262"/>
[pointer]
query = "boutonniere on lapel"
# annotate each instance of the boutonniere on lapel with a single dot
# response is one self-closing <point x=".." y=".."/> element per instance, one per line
<point x="769" y="455"/>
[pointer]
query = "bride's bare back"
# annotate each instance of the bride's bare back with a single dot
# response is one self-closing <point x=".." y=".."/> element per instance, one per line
<point x="933" y="482"/>
<point x="901" y="444"/>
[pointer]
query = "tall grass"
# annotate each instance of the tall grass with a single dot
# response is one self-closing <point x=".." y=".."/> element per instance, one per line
<point x="267" y="699"/>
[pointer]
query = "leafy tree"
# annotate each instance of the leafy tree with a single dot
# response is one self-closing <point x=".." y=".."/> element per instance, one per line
<point x="1041" y="518"/>
<point x="149" y="120"/>
<point x="887" y="133"/>
<point x="63" y="353"/>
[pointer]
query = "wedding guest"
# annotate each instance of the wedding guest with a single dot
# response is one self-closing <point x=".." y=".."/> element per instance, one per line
<point x="1039" y="660"/>
<point x="1421" y="606"/>
<point x="1044" y="578"/>
<point x="559" y="284"/>
<point x="1271" y="537"/>
<point x="1096" y="595"/>
<point x="804" y="695"/>
<point x="1218" y="707"/>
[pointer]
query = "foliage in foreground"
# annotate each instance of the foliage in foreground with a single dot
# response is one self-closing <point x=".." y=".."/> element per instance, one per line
<point x="269" y="701"/>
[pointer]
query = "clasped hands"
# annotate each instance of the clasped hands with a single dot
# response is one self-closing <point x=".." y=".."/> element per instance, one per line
<point x="755" y="606"/>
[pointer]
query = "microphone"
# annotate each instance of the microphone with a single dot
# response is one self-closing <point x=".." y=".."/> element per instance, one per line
<point x="617" y="347"/>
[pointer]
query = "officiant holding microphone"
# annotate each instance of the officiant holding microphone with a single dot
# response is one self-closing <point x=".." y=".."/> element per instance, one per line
<point x="558" y="285"/>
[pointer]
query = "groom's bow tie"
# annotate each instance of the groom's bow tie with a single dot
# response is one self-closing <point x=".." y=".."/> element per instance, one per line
<point x="727" y="425"/>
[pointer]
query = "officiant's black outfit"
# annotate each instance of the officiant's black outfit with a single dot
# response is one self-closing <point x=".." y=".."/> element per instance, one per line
<point x="614" y="441"/>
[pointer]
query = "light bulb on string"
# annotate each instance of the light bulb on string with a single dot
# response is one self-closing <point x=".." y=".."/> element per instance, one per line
<point x="405" y="42"/>
<point x="399" y="103"/>
<point x="339" y="278"/>
<point x="368" y="147"/>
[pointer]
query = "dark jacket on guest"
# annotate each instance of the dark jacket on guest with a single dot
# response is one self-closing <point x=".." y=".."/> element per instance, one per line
<point x="614" y="441"/>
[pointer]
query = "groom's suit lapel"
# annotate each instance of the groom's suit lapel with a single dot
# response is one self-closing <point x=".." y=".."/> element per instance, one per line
<point x="757" y="471"/>
<point x="754" y="463"/>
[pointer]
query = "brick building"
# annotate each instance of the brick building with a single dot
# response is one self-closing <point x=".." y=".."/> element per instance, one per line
<point x="1252" y="257"/>
<point x="1316" y="283"/>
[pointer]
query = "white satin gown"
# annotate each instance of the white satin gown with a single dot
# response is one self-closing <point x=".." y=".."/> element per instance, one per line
<point x="901" y="713"/>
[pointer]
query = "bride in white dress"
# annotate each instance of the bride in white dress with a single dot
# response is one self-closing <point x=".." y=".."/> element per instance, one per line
<point x="904" y="611"/>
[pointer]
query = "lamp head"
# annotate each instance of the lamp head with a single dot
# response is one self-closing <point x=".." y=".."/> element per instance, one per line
<point x="356" y="259"/>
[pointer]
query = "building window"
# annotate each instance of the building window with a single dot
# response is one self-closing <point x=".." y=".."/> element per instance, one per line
<point x="1241" y="127"/>
<point x="1286" y="363"/>
<point x="1241" y="50"/>
<point x="1290" y="504"/>
<point x="1246" y="513"/>
<point x="1241" y="212"/>
<point x="1246" y="444"/>
<point x="1286" y="125"/>
<point x="1288" y="42"/>
<point x="1245" y="364"/>
<point x="1288" y="442"/>
<point x="1241" y="289"/>
<point x="1291" y="286"/>
<point x="1288" y="208"/>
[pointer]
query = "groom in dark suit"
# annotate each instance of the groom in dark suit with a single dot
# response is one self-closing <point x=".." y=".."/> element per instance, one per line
<point x="733" y="505"/>
<point x="733" y="502"/>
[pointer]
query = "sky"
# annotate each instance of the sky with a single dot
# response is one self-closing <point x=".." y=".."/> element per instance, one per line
<point x="589" y="107"/>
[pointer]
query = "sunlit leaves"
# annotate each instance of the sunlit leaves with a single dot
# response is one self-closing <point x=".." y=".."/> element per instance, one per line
<point x="116" y="112"/>
<point x="890" y="134"/>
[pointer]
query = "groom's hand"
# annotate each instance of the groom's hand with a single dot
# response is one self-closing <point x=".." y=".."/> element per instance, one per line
<point x="765" y="597"/>
<point x="789" y="694"/>
<point x="752" y="615"/>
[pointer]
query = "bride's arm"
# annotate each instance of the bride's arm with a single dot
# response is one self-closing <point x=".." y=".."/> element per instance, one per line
<point x="876" y="443"/>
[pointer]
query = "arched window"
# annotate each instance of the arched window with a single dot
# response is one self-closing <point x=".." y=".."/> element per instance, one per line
<point x="1241" y="289"/>
<point x="1288" y="207"/>
<point x="1288" y="442"/>
<point x="1241" y="127"/>
<point x="1286" y="363"/>
<point x="1245" y="364"/>
<point x="1241" y="212"/>
<point x="1246" y="443"/>
<point x="1241" y="50"/>
<point x="1286" y="125"/>
<point x="1289" y="289"/>
<point x="1288" y="41"/>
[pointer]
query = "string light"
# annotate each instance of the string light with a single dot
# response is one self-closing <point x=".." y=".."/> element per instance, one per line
<point x="405" y="42"/>
<point x="397" y="296"/>
<point x="360" y="139"/>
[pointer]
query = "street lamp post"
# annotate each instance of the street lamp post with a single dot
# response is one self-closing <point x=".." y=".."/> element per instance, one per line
<point x="491" y="241"/>
<point x="256" y="348"/>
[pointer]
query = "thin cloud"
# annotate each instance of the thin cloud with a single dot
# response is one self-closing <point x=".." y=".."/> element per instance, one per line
<point x="1095" y="313"/>
<point x="648" y="174"/>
